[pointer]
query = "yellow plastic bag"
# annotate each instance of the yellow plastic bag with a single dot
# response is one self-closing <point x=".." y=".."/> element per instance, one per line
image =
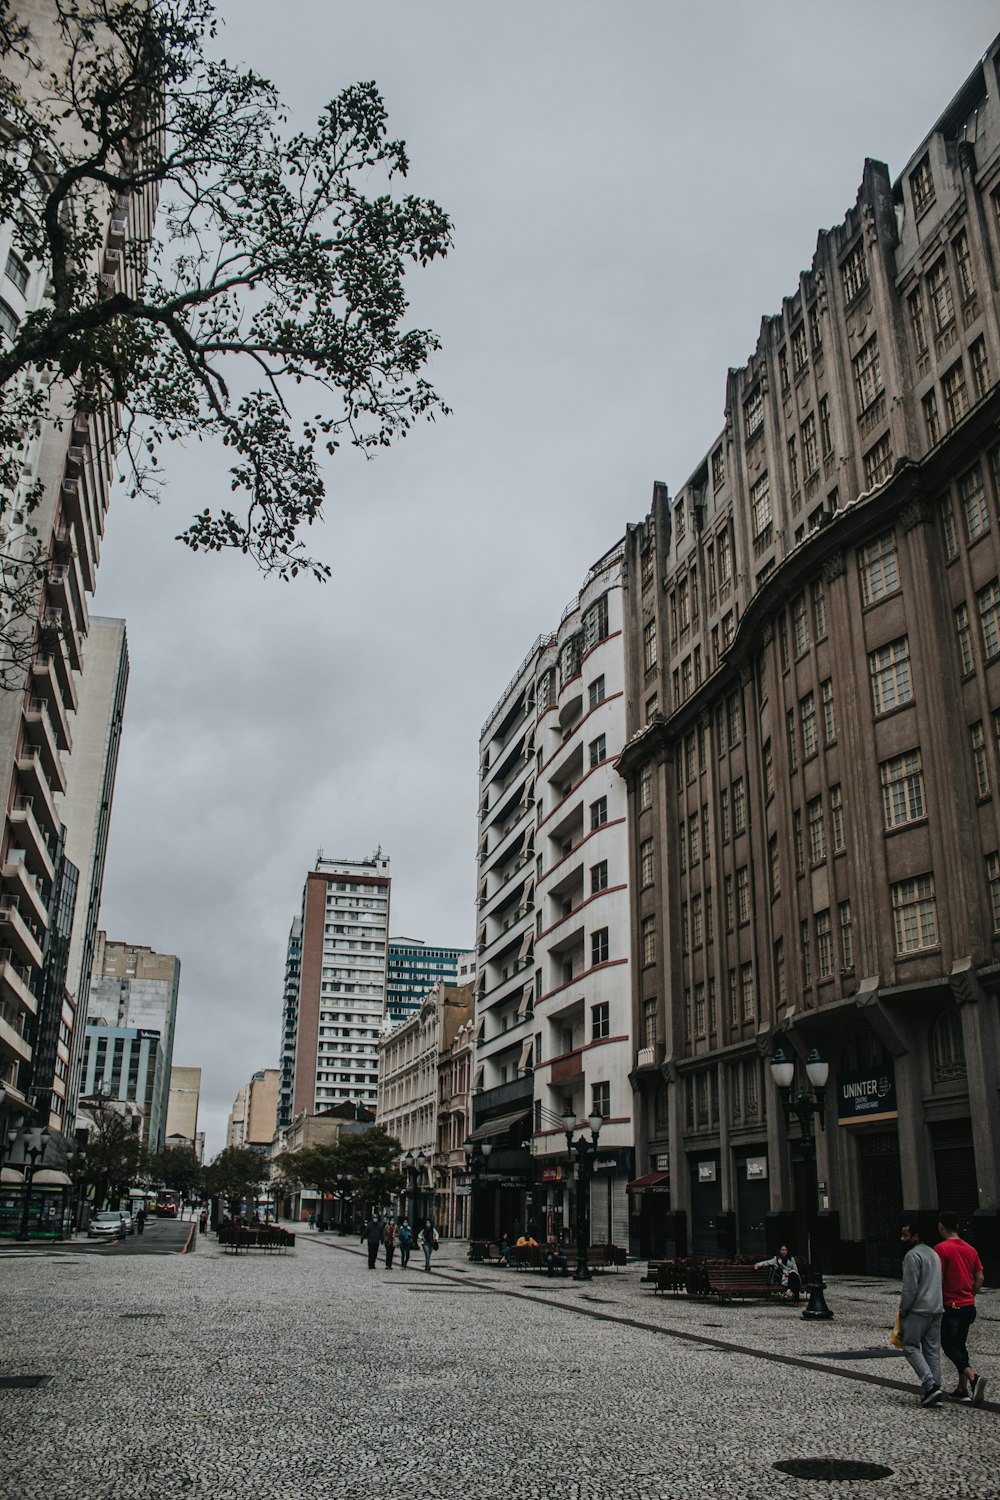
<point x="896" y="1336"/>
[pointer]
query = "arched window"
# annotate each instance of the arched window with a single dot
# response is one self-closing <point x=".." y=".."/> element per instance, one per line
<point x="947" y="1047"/>
<point x="862" y="1049"/>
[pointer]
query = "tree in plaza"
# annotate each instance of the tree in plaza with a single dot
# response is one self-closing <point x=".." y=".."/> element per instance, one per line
<point x="314" y="1166"/>
<point x="107" y="1158"/>
<point x="276" y="268"/>
<point x="348" y="1158"/>
<point x="177" y="1167"/>
<point x="235" y="1176"/>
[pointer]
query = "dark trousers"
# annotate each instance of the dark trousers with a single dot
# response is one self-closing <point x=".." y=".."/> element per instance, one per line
<point x="390" y="1250"/>
<point x="372" y="1254"/>
<point x="404" y="1252"/>
<point x="955" y="1327"/>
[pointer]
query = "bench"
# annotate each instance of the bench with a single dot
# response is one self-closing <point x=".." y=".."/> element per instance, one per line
<point x="728" y="1281"/>
<point x="485" y="1250"/>
<point x="237" y="1237"/>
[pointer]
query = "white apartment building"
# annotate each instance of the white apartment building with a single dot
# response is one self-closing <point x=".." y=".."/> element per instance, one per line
<point x="553" y="986"/>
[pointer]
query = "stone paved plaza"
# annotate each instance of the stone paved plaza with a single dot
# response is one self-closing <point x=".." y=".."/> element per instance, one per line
<point x="305" y="1376"/>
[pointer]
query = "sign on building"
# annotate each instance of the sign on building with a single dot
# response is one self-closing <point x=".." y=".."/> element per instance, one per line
<point x="867" y="1095"/>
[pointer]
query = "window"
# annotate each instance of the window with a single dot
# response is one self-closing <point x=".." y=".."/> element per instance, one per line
<point x="824" y="944"/>
<point x="810" y="730"/>
<point x="595" y="622"/>
<point x="743" y="895"/>
<point x="747" y="999"/>
<point x="868" y="374"/>
<point x="735" y="712"/>
<point x="948" y="529"/>
<point x="649" y="645"/>
<point x="902" y="781"/>
<point x="878" y="568"/>
<point x="922" y="186"/>
<point x="648" y="931"/>
<point x="699" y="1010"/>
<point x="17" y="271"/>
<point x="645" y="787"/>
<point x="724" y="814"/>
<point x="793" y="741"/>
<point x="753" y="413"/>
<point x="600" y="1021"/>
<point x="647" y="568"/>
<point x="599" y="877"/>
<point x="684" y="927"/>
<point x="825" y="426"/>
<point x="760" y="503"/>
<point x="646" y="862"/>
<point x="889" y="670"/>
<point x="598" y="750"/>
<point x="690" y="757"/>
<point x="972" y="493"/>
<point x="846" y="935"/>
<point x="947" y="1047"/>
<point x="980" y="368"/>
<point x="774" y="866"/>
<point x="739" y="806"/>
<point x="598" y="813"/>
<point x="817" y="830"/>
<point x="679" y="521"/>
<point x="730" y="907"/>
<point x="819" y="609"/>
<point x="597" y="691"/>
<point x="837" y="818"/>
<point x="706" y="851"/>
<point x="8" y="320"/>
<point x="932" y="421"/>
<point x="988" y="600"/>
<point x="979" y="761"/>
<point x="800" y="354"/>
<point x="964" y="631"/>
<point x="599" y="946"/>
<point x="780" y="989"/>
<point x="713" y="1019"/>
<point x="993" y="883"/>
<point x="963" y="265"/>
<point x="694" y="839"/>
<point x="854" y="271"/>
<point x="800" y="625"/>
<point x="725" y="556"/>
<point x="718" y="468"/>
<point x="649" y="1027"/>
<point x="878" y="462"/>
<point x="601" y="1100"/>
<point x="793" y="464"/>
<point x="939" y="287"/>
<point x="697" y="933"/>
<point x="829" y="714"/>
<point x="914" y="914"/>
<point x="805" y="949"/>
<point x="815" y="329"/>
<point x="768" y="770"/>
<point x="918" y="325"/>
<point x="810" y="451"/>
<point x="956" y="397"/>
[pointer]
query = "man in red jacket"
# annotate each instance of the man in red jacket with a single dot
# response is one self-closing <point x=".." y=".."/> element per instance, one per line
<point x="961" y="1278"/>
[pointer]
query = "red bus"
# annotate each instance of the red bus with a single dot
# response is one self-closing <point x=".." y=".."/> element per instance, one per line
<point x="168" y="1203"/>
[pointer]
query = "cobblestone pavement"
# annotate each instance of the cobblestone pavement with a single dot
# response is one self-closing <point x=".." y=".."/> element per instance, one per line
<point x="305" y="1376"/>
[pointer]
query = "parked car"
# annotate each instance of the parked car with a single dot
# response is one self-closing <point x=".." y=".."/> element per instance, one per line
<point x="129" y="1217"/>
<point x="109" y="1224"/>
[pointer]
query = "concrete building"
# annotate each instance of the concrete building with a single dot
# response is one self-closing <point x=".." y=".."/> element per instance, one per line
<point x="456" y="1065"/>
<point x="71" y="461"/>
<point x="553" y="988"/>
<point x="182" y="1106"/>
<point x="135" y="987"/>
<point x="813" y="764"/>
<point x="254" y="1116"/>
<point x="289" y="1022"/>
<point x="408" y="1097"/>
<point x="334" y="1007"/>
<point x="413" y="969"/>
<point x="85" y="807"/>
<point x="294" y="1199"/>
<point x="129" y="1064"/>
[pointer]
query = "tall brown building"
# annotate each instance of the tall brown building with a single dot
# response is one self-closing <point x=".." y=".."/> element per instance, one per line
<point x="814" y="754"/>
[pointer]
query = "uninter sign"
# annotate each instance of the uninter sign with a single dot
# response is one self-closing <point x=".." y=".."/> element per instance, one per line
<point x="870" y="1095"/>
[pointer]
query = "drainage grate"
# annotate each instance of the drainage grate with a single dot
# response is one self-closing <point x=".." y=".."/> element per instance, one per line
<point x="22" y="1382"/>
<point x="831" y="1469"/>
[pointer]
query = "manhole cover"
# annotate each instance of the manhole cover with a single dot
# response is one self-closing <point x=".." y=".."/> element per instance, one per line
<point x="831" y="1468"/>
<point x="22" y="1382"/>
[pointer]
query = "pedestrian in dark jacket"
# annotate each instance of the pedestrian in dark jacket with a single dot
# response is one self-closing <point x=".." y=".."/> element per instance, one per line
<point x="389" y="1241"/>
<point x="140" y="1221"/>
<point x="372" y="1236"/>
<point x="405" y="1237"/>
<point x="429" y="1240"/>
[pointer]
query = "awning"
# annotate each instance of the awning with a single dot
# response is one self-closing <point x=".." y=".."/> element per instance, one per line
<point x="10" y="1176"/>
<point x="653" y="1182"/>
<point x="499" y="1126"/>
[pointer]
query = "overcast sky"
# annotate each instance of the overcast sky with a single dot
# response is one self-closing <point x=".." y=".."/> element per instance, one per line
<point x="633" y="185"/>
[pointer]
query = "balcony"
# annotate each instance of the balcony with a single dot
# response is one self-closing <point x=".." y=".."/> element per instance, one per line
<point x="36" y="784"/>
<point x="66" y="593"/>
<point x="14" y="985"/>
<point x="12" y="1032"/>
<point x="52" y="678"/>
<point x="18" y="934"/>
<point x="20" y="882"/>
<point x="36" y="850"/>
<point x="568" y="1069"/>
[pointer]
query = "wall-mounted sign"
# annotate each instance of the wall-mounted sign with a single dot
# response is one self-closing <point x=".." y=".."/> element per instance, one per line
<point x="463" y="1191"/>
<point x="756" y="1168"/>
<point x="551" y="1174"/>
<point x="706" y="1171"/>
<point x="662" y="1162"/>
<point x="868" y="1095"/>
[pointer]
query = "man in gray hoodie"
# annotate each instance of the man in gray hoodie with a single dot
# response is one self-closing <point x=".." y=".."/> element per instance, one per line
<point x="921" y="1307"/>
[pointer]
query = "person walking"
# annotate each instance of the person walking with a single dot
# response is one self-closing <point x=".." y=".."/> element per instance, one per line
<point x="389" y="1241"/>
<point x="405" y="1237"/>
<point x="920" y="1311"/>
<point x="429" y="1240"/>
<point x="961" y="1279"/>
<point x="140" y="1220"/>
<point x="372" y="1236"/>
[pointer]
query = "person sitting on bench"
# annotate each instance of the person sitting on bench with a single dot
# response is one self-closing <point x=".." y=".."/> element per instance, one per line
<point x="555" y="1260"/>
<point x="785" y="1272"/>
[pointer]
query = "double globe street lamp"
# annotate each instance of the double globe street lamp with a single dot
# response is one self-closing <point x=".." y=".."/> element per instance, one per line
<point x="413" y="1165"/>
<point x="803" y="1106"/>
<point x="477" y="1154"/>
<point x="586" y="1155"/>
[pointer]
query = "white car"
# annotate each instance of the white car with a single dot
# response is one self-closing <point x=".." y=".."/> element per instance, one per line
<point x="109" y="1224"/>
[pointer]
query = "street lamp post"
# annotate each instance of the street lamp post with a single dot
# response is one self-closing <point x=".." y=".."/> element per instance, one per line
<point x="376" y="1175"/>
<point x="36" y="1151"/>
<point x="586" y="1154"/>
<point x="413" y="1164"/>
<point x="804" y="1106"/>
<point x="477" y="1154"/>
